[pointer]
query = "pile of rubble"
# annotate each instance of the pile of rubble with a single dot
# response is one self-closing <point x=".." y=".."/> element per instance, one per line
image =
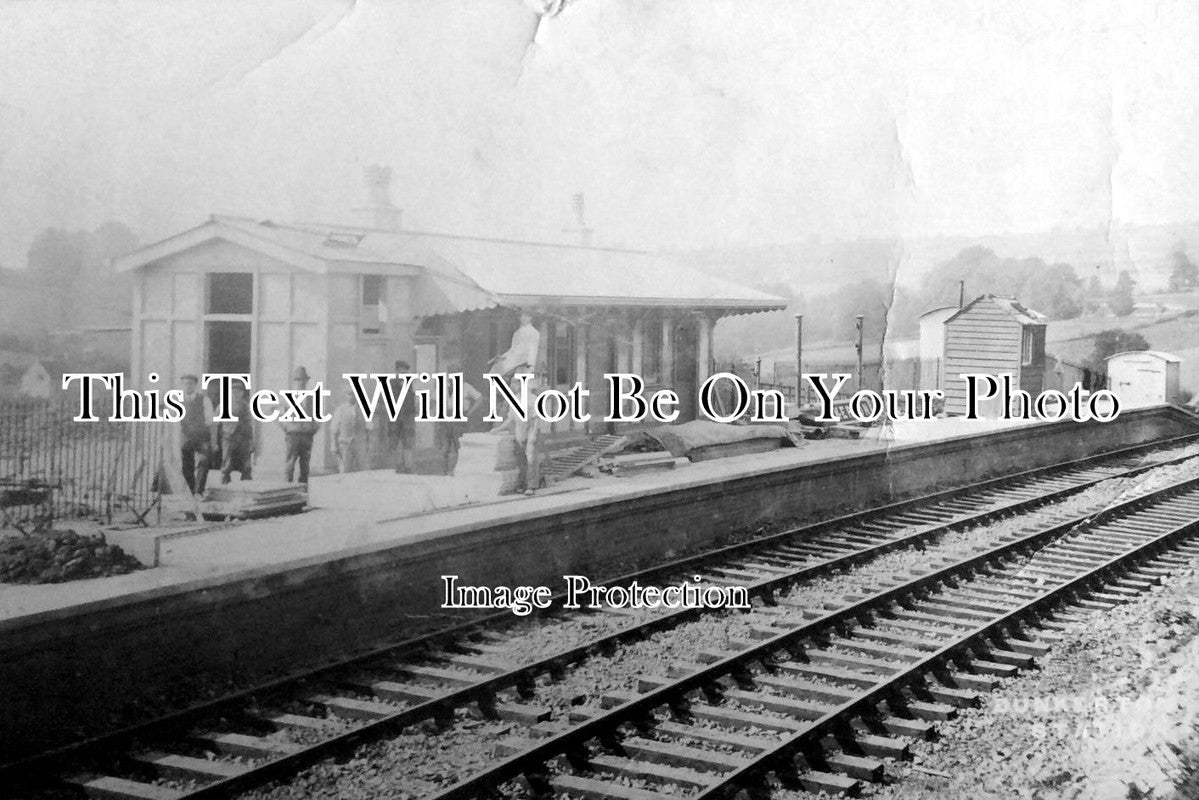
<point x="57" y="556"/>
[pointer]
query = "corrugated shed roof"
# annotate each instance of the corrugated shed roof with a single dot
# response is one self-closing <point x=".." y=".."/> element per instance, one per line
<point x="1169" y="358"/>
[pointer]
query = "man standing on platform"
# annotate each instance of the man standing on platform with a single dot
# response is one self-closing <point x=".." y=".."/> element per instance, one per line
<point x="239" y="438"/>
<point x="449" y="432"/>
<point x="401" y="431"/>
<point x="198" y="440"/>
<point x="527" y="435"/>
<point x="521" y="355"/>
<point x="348" y="432"/>
<point x="300" y="433"/>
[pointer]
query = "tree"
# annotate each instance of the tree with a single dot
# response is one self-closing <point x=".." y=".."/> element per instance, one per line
<point x="1093" y="296"/>
<point x="1053" y="289"/>
<point x="1184" y="275"/>
<point x="1114" y="340"/>
<point x="70" y="271"/>
<point x="1121" y="301"/>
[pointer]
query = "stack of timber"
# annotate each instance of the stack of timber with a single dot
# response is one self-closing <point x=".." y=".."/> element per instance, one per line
<point x="624" y="465"/>
<point x="252" y="500"/>
<point x="560" y="467"/>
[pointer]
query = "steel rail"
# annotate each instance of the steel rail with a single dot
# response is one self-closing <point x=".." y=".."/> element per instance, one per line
<point x="640" y="709"/>
<point x="521" y="677"/>
<point x="1001" y="628"/>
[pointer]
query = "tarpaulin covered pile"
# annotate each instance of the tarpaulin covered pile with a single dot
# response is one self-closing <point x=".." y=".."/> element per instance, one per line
<point x="682" y="439"/>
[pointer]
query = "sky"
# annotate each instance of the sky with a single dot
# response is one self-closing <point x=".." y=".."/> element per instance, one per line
<point x="686" y="124"/>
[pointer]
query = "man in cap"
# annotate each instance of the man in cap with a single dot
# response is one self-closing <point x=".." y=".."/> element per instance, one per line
<point x="299" y="434"/>
<point x="198" y="435"/>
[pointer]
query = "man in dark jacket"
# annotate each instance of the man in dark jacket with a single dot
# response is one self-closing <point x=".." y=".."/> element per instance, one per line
<point x="299" y="434"/>
<point x="401" y="431"/>
<point x="198" y="435"/>
<point x="239" y="438"/>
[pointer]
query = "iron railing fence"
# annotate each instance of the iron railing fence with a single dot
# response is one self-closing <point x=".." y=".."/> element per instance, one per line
<point x="52" y="467"/>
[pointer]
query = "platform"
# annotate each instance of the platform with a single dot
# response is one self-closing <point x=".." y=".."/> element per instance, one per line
<point x="231" y="604"/>
<point x="381" y="508"/>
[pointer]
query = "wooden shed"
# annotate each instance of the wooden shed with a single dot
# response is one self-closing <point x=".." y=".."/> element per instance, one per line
<point x="992" y="335"/>
<point x="1143" y="378"/>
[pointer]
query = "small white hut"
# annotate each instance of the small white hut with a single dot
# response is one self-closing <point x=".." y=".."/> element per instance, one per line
<point x="1143" y="377"/>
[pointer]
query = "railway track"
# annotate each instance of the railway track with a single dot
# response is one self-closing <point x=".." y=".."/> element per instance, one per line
<point x="278" y="729"/>
<point x="845" y="687"/>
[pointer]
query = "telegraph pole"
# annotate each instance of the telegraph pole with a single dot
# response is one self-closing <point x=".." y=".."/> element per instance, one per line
<point x="859" y="325"/>
<point x="798" y="360"/>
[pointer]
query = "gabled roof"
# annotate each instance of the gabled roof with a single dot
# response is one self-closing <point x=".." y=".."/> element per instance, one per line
<point x="1021" y="313"/>
<point x="509" y="271"/>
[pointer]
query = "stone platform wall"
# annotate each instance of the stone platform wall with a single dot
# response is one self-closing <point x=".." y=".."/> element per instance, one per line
<point x="67" y="674"/>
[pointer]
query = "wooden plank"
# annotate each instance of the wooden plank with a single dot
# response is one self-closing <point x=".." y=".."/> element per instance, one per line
<point x="682" y="756"/>
<point x="601" y="790"/>
<point x="108" y="787"/>
<point x="732" y="718"/>
<point x="189" y="767"/>
<point x="752" y="744"/>
<point x="240" y="744"/>
<point x="448" y="676"/>
<point x="351" y="708"/>
<point x="648" y="769"/>
<point x="295" y="721"/>
<point x="782" y="705"/>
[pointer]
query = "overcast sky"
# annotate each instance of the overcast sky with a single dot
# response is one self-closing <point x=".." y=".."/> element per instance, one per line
<point x="687" y="124"/>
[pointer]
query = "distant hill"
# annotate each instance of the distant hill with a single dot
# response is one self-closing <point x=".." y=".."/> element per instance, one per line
<point x="823" y="272"/>
<point x="814" y="266"/>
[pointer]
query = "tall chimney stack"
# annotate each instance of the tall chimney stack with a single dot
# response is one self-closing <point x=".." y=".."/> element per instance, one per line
<point x="380" y="213"/>
<point x="581" y="217"/>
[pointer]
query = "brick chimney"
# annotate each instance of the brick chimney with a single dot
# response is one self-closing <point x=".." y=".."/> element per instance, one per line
<point x="379" y="213"/>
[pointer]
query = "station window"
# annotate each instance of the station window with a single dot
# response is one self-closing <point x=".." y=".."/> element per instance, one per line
<point x="561" y="354"/>
<point x="1026" y="348"/>
<point x="372" y="290"/>
<point x="230" y="293"/>
<point x="374" y="309"/>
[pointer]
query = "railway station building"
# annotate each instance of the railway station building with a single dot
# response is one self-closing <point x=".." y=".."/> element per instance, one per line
<point x="262" y="297"/>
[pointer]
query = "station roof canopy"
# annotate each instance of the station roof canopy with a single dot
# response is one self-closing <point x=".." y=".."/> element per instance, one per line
<point x="466" y="272"/>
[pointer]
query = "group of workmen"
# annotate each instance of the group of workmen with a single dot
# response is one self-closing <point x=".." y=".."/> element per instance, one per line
<point x="234" y="444"/>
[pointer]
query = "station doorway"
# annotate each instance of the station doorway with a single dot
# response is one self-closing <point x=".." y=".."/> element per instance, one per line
<point x="228" y="346"/>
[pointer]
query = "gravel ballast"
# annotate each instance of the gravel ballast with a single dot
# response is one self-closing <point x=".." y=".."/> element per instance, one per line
<point x="416" y="763"/>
